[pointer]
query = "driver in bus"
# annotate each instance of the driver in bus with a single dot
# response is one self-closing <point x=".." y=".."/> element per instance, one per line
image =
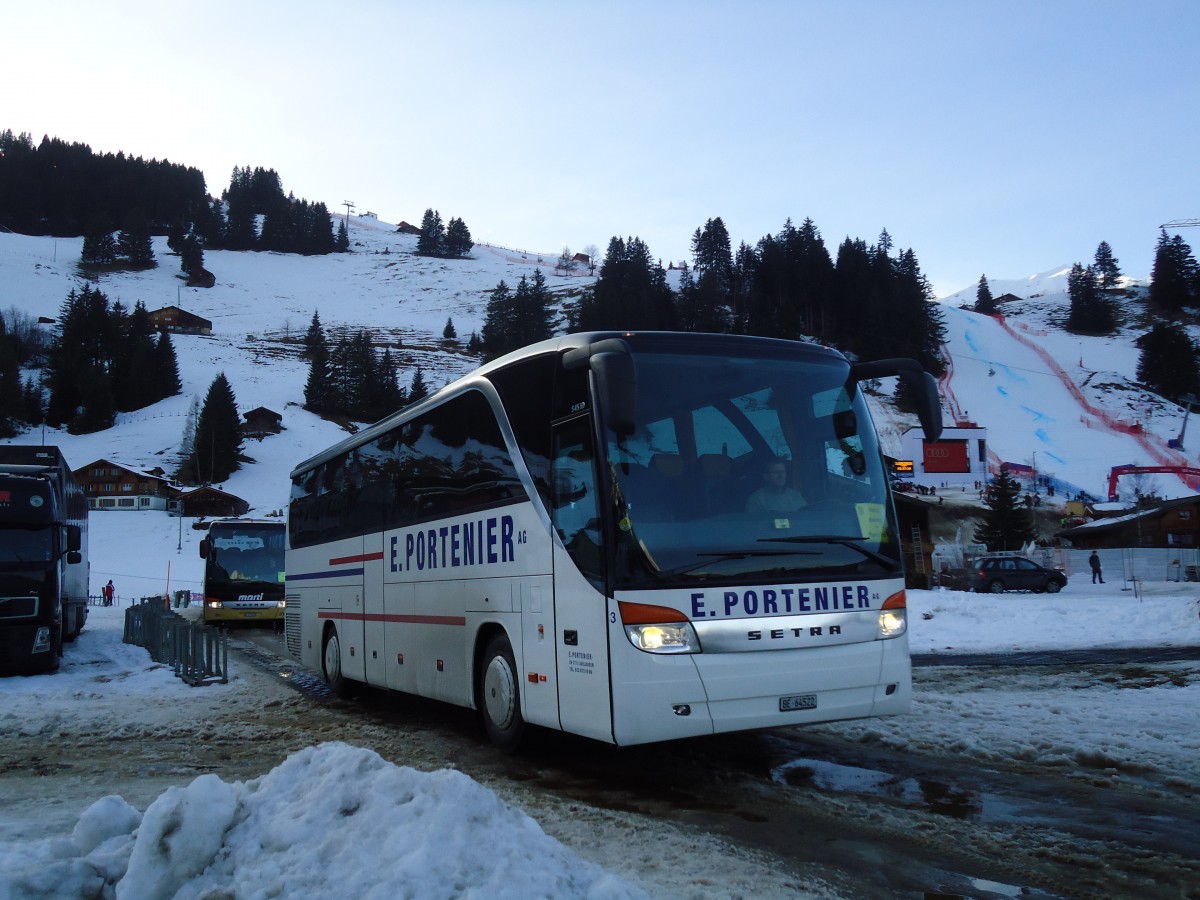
<point x="775" y="496"/>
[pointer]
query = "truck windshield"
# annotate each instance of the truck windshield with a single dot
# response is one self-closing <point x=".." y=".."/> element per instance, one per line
<point x="748" y="468"/>
<point x="24" y="544"/>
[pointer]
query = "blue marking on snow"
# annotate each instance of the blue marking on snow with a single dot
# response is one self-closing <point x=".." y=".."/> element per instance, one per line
<point x="1041" y="435"/>
<point x="1001" y="390"/>
<point x="1037" y="415"/>
<point x="970" y="339"/>
<point x="1013" y="376"/>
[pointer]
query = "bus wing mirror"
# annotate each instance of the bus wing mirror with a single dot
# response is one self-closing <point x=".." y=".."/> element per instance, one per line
<point x="204" y="545"/>
<point x="617" y="384"/>
<point x="74" y="557"/>
<point x="920" y="385"/>
<point x="616" y="379"/>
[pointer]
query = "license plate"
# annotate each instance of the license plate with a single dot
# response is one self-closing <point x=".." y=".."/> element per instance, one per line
<point x="249" y="615"/>
<point x="797" y="701"/>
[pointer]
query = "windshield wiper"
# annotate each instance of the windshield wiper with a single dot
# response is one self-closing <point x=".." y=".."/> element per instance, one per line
<point x="732" y="555"/>
<point x="854" y="542"/>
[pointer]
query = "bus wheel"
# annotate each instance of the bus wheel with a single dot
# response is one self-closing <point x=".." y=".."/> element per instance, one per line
<point x="331" y="663"/>
<point x="500" y="698"/>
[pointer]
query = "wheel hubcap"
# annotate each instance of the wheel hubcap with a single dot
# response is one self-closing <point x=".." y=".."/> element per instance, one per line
<point x="333" y="659"/>
<point x="499" y="693"/>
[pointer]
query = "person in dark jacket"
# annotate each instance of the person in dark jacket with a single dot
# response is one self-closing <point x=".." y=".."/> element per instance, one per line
<point x="1094" y="562"/>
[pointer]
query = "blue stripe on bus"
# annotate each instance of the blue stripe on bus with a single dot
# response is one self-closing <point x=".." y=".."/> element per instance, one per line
<point x="308" y="576"/>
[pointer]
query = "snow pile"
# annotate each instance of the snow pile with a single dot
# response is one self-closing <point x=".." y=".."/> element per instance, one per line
<point x="331" y="820"/>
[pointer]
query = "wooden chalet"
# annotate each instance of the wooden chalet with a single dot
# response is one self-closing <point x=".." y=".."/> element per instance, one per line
<point x="260" y="422"/>
<point x="180" y="321"/>
<point x="112" y="486"/>
<point x="1172" y="523"/>
<point x="212" y="503"/>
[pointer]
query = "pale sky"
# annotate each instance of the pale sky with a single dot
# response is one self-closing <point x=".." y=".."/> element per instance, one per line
<point x="997" y="138"/>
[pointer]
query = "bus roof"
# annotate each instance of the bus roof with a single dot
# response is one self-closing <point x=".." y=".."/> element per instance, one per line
<point x="657" y="340"/>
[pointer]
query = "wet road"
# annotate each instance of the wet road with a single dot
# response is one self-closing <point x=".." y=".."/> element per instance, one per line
<point x="868" y="820"/>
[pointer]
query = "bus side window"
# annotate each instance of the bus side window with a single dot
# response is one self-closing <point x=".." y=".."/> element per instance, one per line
<point x="575" y="506"/>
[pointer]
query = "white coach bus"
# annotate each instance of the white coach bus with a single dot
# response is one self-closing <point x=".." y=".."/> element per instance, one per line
<point x="629" y="536"/>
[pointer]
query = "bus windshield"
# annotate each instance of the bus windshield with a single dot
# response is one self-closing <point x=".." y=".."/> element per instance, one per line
<point x="744" y="469"/>
<point x="245" y="553"/>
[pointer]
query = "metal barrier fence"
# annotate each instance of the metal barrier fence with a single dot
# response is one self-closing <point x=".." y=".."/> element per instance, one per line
<point x="198" y="654"/>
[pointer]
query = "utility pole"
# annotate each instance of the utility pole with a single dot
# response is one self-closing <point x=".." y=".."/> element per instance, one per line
<point x="1188" y="401"/>
<point x="349" y="204"/>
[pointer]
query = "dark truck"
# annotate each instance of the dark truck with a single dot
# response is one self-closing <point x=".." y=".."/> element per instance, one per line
<point x="43" y="558"/>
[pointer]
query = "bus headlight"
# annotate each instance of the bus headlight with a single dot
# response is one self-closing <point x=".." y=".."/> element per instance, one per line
<point x="893" y="616"/>
<point x="213" y="604"/>
<point x="669" y="637"/>
<point x="41" y="640"/>
<point x="658" y="629"/>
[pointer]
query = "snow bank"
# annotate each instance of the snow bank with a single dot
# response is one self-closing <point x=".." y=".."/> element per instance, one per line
<point x="331" y="820"/>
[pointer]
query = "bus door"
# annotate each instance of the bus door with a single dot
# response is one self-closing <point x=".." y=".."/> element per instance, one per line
<point x="581" y="639"/>
<point x="374" y="648"/>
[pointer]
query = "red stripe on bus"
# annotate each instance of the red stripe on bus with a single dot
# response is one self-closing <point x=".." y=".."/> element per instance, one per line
<point x="382" y="617"/>
<point x="366" y="557"/>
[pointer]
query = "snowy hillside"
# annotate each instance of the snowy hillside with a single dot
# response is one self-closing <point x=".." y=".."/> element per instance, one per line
<point x="1062" y="404"/>
<point x="260" y="308"/>
<point x="1067" y="406"/>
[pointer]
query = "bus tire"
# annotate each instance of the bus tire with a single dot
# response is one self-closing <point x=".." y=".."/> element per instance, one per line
<point x="500" y="695"/>
<point x="331" y="665"/>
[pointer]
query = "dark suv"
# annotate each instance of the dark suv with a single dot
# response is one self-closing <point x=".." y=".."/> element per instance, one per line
<point x="1015" y="573"/>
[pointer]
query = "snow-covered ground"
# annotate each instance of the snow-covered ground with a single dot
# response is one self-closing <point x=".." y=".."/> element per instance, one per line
<point x="321" y="821"/>
<point x="106" y="683"/>
<point x="191" y="835"/>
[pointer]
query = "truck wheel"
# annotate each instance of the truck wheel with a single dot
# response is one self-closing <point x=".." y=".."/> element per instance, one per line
<point x="331" y="665"/>
<point x="500" y="696"/>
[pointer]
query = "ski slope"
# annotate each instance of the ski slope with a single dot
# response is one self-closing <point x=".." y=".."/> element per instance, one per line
<point x="1026" y="386"/>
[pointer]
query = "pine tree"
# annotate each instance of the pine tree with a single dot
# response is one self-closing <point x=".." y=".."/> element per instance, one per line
<point x="99" y="248"/>
<point x="984" y="301"/>
<point x="1090" y="311"/>
<point x="458" y="238"/>
<point x="631" y="292"/>
<point x="342" y="245"/>
<point x="418" y="390"/>
<point x="98" y="408"/>
<point x="499" y="326"/>
<point x="187" y="442"/>
<point x="1008" y="524"/>
<point x="432" y="239"/>
<point x="1106" y="266"/>
<point x="317" y="390"/>
<point x="12" y="396"/>
<point x="166" y="366"/>
<point x="82" y="349"/>
<point x="218" y="442"/>
<point x="315" y="337"/>
<point x="34" y="402"/>
<point x="191" y="255"/>
<point x="704" y="299"/>
<point x="1168" y="362"/>
<point x="1173" y="276"/>
<point x="448" y="333"/>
